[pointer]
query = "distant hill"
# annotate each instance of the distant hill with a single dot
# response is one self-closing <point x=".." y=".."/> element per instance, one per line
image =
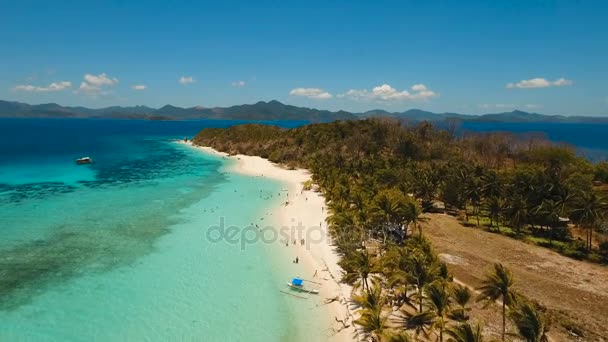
<point x="273" y="110"/>
<point x="416" y="115"/>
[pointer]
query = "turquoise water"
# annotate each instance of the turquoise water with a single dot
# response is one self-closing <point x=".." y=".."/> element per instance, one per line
<point x="119" y="250"/>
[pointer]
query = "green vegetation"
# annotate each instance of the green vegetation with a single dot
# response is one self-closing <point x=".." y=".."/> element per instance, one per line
<point x="520" y="186"/>
<point x="379" y="176"/>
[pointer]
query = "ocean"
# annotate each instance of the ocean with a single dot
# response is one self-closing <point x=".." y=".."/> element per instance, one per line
<point x="119" y="249"/>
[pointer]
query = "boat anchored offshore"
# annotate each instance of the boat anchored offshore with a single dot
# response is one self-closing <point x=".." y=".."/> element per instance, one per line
<point x="84" y="160"/>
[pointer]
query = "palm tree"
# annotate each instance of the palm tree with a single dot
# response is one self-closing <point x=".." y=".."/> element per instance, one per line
<point x="389" y="209"/>
<point x="473" y="195"/>
<point x="421" y="272"/>
<point x="369" y="300"/>
<point x="530" y="322"/>
<point x="590" y="212"/>
<point x="395" y="263"/>
<point x="420" y="322"/>
<point x="491" y="185"/>
<point x="465" y="177"/>
<point x="550" y="211"/>
<point x="465" y="332"/>
<point x="415" y="216"/>
<point x="498" y="285"/>
<point x="494" y="206"/>
<point x="439" y="302"/>
<point x="357" y="266"/>
<point x="517" y="213"/>
<point x="399" y="337"/>
<point x="461" y="296"/>
<point x="372" y="324"/>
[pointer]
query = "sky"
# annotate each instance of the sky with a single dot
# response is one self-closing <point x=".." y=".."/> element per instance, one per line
<point x="444" y="56"/>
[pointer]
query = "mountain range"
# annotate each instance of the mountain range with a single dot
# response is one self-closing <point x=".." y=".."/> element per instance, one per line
<point x="272" y="110"/>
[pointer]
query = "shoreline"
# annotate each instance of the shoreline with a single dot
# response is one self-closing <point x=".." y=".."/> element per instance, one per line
<point x="305" y="207"/>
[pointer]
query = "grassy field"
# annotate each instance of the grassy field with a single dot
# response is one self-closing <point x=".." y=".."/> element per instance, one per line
<point x="575" y="293"/>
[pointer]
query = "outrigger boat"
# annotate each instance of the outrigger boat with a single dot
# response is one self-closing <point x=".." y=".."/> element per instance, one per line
<point x="298" y="284"/>
<point x="84" y="160"/>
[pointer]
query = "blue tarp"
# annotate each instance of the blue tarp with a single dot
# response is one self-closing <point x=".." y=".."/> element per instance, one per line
<point x="297" y="281"/>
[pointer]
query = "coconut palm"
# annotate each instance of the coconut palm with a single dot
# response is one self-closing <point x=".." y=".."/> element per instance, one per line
<point x="550" y="212"/>
<point x="389" y="210"/>
<point x="465" y="332"/>
<point x="399" y="337"/>
<point x="494" y="206"/>
<point x="439" y="301"/>
<point x="420" y="322"/>
<point x="358" y="266"/>
<point x="531" y="323"/>
<point x="395" y="263"/>
<point x="590" y="212"/>
<point x="517" y="212"/>
<point x="421" y="273"/>
<point x="415" y="216"/>
<point x="372" y="324"/>
<point x="461" y="295"/>
<point x="474" y="194"/>
<point x="369" y="300"/>
<point x="491" y="185"/>
<point x="465" y="177"/>
<point x="498" y="285"/>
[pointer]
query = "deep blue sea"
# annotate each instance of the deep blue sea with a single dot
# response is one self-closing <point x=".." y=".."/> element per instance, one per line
<point x="591" y="140"/>
<point x="117" y="250"/>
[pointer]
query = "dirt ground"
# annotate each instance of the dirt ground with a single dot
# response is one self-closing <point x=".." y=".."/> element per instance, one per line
<point x="575" y="293"/>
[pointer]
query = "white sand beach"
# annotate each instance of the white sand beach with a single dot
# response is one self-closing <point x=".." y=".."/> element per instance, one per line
<point x="307" y="208"/>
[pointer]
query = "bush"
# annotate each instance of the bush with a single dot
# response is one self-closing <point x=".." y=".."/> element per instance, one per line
<point x="603" y="251"/>
<point x="575" y="249"/>
<point x="601" y="172"/>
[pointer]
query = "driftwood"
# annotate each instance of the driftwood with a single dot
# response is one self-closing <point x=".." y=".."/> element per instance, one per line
<point x="331" y="300"/>
<point x="344" y="325"/>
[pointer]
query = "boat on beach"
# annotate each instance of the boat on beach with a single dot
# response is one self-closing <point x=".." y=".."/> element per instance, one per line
<point x="298" y="284"/>
<point x="84" y="160"/>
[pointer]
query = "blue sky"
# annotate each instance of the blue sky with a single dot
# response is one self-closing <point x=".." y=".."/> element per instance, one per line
<point x="457" y="56"/>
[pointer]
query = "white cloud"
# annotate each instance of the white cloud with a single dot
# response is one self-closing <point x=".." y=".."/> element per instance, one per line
<point x="238" y="84"/>
<point x="387" y="93"/>
<point x="139" y="87"/>
<point x="186" y="80"/>
<point x="95" y="84"/>
<point x="312" y="93"/>
<point x="419" y="87"/>
<point x="99" y="80"/>
<point x="55" y="86"/>
<point x="540" y="83"/>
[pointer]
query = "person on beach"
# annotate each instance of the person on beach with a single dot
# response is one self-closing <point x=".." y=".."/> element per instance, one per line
<point x="315" y="275"/>
<point x="297" y="260"/>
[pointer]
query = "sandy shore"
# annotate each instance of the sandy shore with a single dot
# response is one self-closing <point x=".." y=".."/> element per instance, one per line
<point x="307" y="208"/>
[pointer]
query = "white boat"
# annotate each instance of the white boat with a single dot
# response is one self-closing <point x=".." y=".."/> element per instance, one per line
<point x="84" y="160"/>
<point x="298" y="284"/>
